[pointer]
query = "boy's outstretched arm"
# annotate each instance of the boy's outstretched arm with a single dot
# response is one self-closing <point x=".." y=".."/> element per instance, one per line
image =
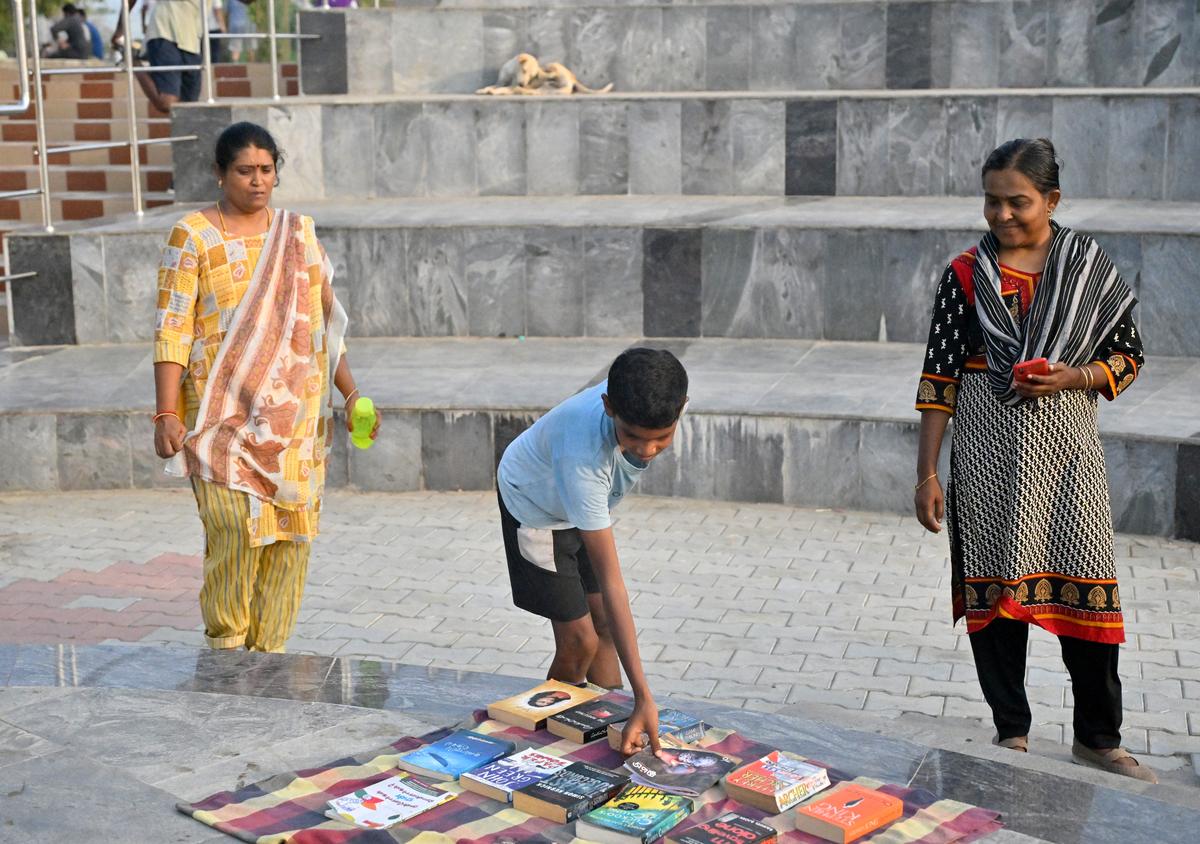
<point x="602" y="551"/>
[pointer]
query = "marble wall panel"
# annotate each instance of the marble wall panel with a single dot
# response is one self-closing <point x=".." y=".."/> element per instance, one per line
<point x="684" y="49"/>
<point x="727" y="63"/>
<point x="500" y="149"/>
<point x="549" y="34"/>
<point x="1168" y="43"/>
<point x="506" y="427"/>
<point x="348" y="150"/>
<point x="1113" y="60"/>
<point x="917" y="147"/>
<point x="378" y="273"/>
<point x="369" y="64"/>
<point x="336" y="243"/>
<point x="504" y="36"/>
<point x="401" y="150"/>
<point x="728" y="458"/>
<point x="494" y="264"/>
<point x="456" y="450"/>
<point x="93" y="451"/>
<point x="612" y="278"/>
<point x="552" y="148"/>
<point x="763" y="283"/>
<point x="1167" y="313"/>
<point x="43" y="307"/>
<point x="639" y="60"/>
<point x="603" y="147"/>
<point x="782" y="53"/>
<point x="852" y="299"/>
<point x="1069" y="42"/>
<point x="437" y="286"/>
<point x="554" y="302"/>
<point x="1023" y="117"/>
<point x="1080" y="130"/>
<point x="192" y="162"/>
<point x="862" y="61"/>
<point x="886" y="456"/>
<point x="437" y="51"/>
<point x="28" y="452"/>
<point x="812" y="147"/>
<point x="655" y="147"/>
<point x="974" y="45"/>
<point x="913" y="263"/>
<point x="1141" y="485"/>
<point x="1187" y="493"/>
<point x="1125" y="250"/>
<point x="296" y="128"/>
<point x="759" y="147"/>
<point x="940" y="32"/>
<point x="450" y="132"/>
<point x="862" y="147"/>
<point x="707" y="147"/>
<point x="1022" y="37"/>
<point x="87" y="284"/>
<point x="393" y="463"/>
<point x="820" y="463"/>
<point x="671" y="282"/>
<point x="1137" y="147"/>
<point x="596" y="38"/>
<point x="130" y="285"/>
<point x="970" y="137"/>
<point x="1183" y="149"/>
<point x="909" y="45"/>
<point x="324" y="64"/>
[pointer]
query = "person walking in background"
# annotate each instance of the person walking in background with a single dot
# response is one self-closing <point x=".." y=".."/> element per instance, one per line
<point x="1026" y="505"/>
<point x="247" y="347"/>
<point x="172" y="39"/>
<point x="238" y="18"/>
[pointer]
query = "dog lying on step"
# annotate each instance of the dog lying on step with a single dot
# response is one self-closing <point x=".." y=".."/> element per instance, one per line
<point x="522" y="75"/>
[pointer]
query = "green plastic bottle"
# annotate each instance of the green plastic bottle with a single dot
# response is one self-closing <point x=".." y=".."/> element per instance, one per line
<point x="362" y="422"/>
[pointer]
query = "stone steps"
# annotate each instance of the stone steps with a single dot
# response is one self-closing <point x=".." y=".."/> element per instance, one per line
<point x="793" y="422"/>
<point x="720" y="45"/>
<point x="831" y="268"/>
<point x="1122" y="144"/>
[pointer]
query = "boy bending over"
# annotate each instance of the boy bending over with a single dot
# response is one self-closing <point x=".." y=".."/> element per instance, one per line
<point x="557" y="483"/>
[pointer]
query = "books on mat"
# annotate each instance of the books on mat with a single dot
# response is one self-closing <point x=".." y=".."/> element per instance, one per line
<point x="569" y="793"/>
<point x="531" y="708"/>
<point x="776" y="782"/>
<point x="847" y="812"/>
<point x="729" y="828"/>
<point x="591" y="719"/>
<point x="386" y="803"/>
<point x="450" y="757"/>
<point x="679" y="770"/>
<point x="672" y="723"/>
<point x="499" y="779"/>
<point x="637" y="815"/>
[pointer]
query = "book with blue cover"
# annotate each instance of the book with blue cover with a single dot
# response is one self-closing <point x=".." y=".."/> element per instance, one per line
<point x="637" y="815"/>
<point x="448" y="758"/>
<point x="499" y="779"/>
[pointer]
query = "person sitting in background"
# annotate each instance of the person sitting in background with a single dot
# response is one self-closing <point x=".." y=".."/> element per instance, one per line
<point x="70" y="36"/>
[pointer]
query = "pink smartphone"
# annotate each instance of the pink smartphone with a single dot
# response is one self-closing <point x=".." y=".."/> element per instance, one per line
<point x="1037" y="366"/>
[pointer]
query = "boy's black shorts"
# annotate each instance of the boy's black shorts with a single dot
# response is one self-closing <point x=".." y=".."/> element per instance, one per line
<point x="550" y="571"/>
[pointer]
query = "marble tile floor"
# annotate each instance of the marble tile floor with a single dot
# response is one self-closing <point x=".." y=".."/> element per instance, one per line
<point x="127" y="731"/>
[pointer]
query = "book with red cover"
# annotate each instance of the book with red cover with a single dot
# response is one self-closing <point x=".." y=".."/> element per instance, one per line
<point x="847" y="812"/>
<point x="776" y="782"/>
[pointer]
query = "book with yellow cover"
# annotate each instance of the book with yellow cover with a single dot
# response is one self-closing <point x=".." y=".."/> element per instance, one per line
<point x="847" y="812"/>
<point x="530" y="709"/>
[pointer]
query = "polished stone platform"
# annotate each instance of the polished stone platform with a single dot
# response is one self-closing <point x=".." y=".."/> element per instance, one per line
<point x="126" y="731"/>
<point x="813" y="424"/>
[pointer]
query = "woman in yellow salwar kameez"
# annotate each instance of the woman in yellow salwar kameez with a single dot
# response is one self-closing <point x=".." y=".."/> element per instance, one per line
<point x="248" y="345"/>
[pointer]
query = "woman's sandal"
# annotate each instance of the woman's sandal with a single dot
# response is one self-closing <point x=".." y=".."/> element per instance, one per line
<point x="1108" y="759"/>
<point x="1020" y="743"/>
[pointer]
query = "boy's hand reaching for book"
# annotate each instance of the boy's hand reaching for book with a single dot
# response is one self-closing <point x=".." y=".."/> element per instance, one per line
<point x="641" y="729"/>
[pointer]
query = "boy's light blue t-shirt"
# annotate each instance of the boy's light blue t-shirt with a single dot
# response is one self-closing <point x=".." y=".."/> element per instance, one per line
<point x="567" y="469"/>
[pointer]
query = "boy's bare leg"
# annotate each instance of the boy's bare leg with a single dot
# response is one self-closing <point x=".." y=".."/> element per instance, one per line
<point x="605" y="669"/>
<point x="575" y="644"/>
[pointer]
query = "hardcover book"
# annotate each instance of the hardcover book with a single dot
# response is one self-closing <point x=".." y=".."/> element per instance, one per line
<point x="499" y="779"/>
<point x="848" y="812"/>
<point x="637" y="815"/>
<point x="679" y="770"/>
<point x="449" y="757"/>
<point x="386" y="803"/>
<point x="672" y="723"/>
<point x="531" y="709"/>
<point x="570" y="793"/>
<point x="729" y="828"/>
<point x="775" y="782"/>
<point x="590" y="720"/>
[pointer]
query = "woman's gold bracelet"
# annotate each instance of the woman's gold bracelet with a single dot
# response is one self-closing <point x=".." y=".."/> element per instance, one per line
<point x="917" y="488"/>
<point x="1087" y="377"/>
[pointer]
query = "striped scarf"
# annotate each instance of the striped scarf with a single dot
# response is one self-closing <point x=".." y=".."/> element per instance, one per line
<point x="1080" y="298"/>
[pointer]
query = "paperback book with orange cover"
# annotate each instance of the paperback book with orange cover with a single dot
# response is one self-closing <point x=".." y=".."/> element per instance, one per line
<point x="847" y="812"/>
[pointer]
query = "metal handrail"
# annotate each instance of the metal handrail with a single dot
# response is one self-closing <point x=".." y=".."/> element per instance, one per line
<point x="22" y="102"/>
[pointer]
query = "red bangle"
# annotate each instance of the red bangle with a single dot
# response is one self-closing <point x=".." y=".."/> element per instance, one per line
<point x="158" y="416"/>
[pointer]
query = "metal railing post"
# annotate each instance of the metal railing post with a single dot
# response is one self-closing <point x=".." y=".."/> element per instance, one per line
<point x="206" y="50"/>
<point x="22" y="102"/>
<point x="39" y="105"/>
<point x="274" y="49"/>
<point x="299" y="61"/>
<point x="135" y="164"/>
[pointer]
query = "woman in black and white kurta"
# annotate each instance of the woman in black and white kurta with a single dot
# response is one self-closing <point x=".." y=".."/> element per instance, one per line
<point x="1026" y="505"/>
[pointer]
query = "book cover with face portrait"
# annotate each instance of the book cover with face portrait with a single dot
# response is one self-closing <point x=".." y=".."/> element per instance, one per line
<point x="531" y="708"/>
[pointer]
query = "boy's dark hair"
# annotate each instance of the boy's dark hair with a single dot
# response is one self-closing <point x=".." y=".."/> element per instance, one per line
<point x="238" y="137"/>
<point x="1035" y="159"/>
<point x="647" y="387"/>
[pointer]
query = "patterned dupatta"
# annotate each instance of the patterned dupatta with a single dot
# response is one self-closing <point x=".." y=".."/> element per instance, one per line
<point x="265" y="422"/>
<point x="1080" y="298"/>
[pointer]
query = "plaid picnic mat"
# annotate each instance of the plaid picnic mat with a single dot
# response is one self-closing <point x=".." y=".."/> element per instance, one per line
<point x="291" y="807"/>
